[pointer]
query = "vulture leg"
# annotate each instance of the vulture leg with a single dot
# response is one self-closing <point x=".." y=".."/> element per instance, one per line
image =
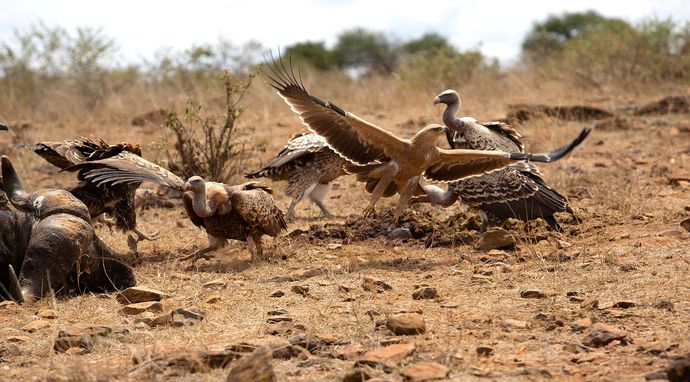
<point x="485" y="221"/>
<point x="324" y="211"/>
<point x="553" y="224"/>
<point x="388" y="171"/>
<point x="317" y="195"/>
<point x="214" y="243"/>
<point x="293" y="204"/>
<point x="436" y="195"/>
<point x="405" y="197"/>
<point x="254" y="245"/>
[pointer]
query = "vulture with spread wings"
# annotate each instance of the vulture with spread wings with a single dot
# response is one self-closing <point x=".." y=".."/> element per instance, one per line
<point x="387" y="163"/>
<point x="117" y="201"/>
<point x="309" y="166"/>
<point x="517" y="191"/>
<point x="242" y="212"/>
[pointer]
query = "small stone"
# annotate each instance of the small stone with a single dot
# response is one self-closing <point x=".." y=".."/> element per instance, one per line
<point x="275" y="320"/>
<point x="212" y="299"/>
<point x="664" y="304"/>
<point x="139" y="294"/>
<point x="309" y="341"/>
<point x="216" y="284"/>
<point x="484" y="351"/>
<point x="177" y="317"/>
<point x="601" y="335"/>
<point x="406" y="324"/>
<point x="425" y="371"/>
<point x="624" y="304"/>
<point x="370" y="284"/>
<point x="589" y="303"/>
<point x="561" y="244"/>
<point x="358" y="374"/>
<point x="400" y="233"/>
<point x="36" y="325"/>
<point x="449" y="305"/>
<point x="278" y="293"/>
<point x="372" y="313"/>
<point x="302" y="290"/>
<point x="344" y="288"/>
<point x="686" y="224"/>
<point x="141" y="307"/>
<point x="278" y="312"/>
<point x="389" y="356"/>
<point x="19" y="339"/>
<point x="516" y="324"/>
<point x="424" y="293"/>
<point x="254" y="367"/>
<point x="334" y="246"/>
<point x="47" y="314"/>
<point x="495" y="238"/>
<point x="532" y="293"/>
<point x="348" y="352"/>
<point x="581" y="324"/>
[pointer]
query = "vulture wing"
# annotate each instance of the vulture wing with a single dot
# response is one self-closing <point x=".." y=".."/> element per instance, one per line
<point x="353" y="138"/>
<point x="127" y="167"/>
<point x="253" y="202"/>
<point x="299" y="150"/>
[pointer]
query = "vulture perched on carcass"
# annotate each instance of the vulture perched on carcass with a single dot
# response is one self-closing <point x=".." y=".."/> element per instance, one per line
<point x="116" y="200"/>
<point x="387" y="163"/>
<point x="242" y="212"/>
<point x="309" y="166"/>
<point x="518" y="191"/>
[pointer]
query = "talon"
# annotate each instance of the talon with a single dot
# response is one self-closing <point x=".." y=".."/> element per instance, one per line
<point x="370" y="210"/>
<point x="142" y="236"/>
<point x="196" y="256"/>
<point x="394" y="221"/>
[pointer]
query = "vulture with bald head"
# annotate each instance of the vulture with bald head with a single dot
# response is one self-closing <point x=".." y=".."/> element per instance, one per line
<point x="518" y="191"/>
<point x="242" y="212"/>
<point x="387" y="163"/>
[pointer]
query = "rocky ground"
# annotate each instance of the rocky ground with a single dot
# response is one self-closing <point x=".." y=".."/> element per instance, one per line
<point x="352" y="299"/>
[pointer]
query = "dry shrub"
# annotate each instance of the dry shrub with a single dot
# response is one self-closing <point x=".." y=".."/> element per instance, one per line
<point x="212" y="147"/>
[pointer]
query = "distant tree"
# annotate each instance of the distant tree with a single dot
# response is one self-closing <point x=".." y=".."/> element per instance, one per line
<point x="547" y="37"/>
<point x="429" y="43"/>
<point x="364" y="49"/>
<point x="311" y="53"/>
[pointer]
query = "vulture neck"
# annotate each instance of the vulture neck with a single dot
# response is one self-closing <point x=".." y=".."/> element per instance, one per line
<point x="199" y="204"/>
<point x="449" y="116"/>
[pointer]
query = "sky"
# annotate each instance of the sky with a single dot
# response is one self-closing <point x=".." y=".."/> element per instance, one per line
<point x="143" y="27"/>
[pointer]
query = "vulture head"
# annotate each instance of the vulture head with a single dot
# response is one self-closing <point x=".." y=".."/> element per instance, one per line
<point x="195" y="184"/>
<point x="448" y="97"/>
<point x="202" y="206"/>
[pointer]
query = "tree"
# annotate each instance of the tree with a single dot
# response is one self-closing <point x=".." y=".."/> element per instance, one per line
<point x="429" y="43"/>
<point x="311" y="53"/>
<point x="363" y="49"/>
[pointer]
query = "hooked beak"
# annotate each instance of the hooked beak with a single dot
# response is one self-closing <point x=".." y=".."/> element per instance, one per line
<point x="4" y="127"/>
<point x="437" y="100"/>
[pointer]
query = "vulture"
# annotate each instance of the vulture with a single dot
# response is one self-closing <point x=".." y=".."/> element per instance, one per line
<point x="309" y="166"/>
<point x="116" y="200"/>
<point x="518" y="191"/>
<point x="242" y="212"/>
<point x="389" y="164"/>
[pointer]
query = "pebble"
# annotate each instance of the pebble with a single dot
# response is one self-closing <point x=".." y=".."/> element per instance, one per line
<point x="254" y="367"/>
<point x="302" y="290"/>
<point x="358" y="374"/>
<point x="212" y="299"/>
<point x="348" y="352"/>
<point x="334" y="246"/>
<point x="388" y="357"/>
<point x="485" y="351"/>
<point x="425" y="371"/>
<point x="624" y="304"/>
<point x="495" y="238"/>
<point x="47" y="313"/>
<point x="449" y="305"/>
<point x="216" y="284"/>
<point x="278" y="293"/>
<point x="275" y="320"/>
<point x="664" y="304"/>
<point x="424" y="293"/>
<point x="36" y="325"/>
<point x="406" y="324"/>
<point x="19" y="339"/>
<point x="141" y="307"/>
<point x="516" y="324"/>
<point x="139" y="294"/>
<point x="589" y="303"/>
<point x="581" y="324"/>
<point x="370" y="284"/>
<point x="278" y="312"/>
<point x="177" y="317"/>
<point x="686" y="223"/>
<point x="532" y="293"/>
<point x="602" y="334"/>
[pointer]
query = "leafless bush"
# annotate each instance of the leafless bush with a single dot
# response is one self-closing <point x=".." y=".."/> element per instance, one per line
<point x="212" y="147"/>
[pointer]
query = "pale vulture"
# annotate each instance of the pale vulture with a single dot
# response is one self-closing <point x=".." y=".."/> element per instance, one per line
<point x="387" y="163"/>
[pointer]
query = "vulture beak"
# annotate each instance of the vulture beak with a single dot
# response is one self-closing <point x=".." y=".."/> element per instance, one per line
<point x="437" y="100"/>
<point x="4" y="127"/>
<point x="13" y="186"/>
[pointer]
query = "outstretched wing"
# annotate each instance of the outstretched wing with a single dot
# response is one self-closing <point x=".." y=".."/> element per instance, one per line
<point x="299" y="151"/>
<point x="353" y="138"/>
<point x="127" y="167"/>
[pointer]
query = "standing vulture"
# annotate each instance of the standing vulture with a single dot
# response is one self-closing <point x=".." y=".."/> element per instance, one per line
<point x="309" y="166"/>
<point x="518" y="191"/>
<point x="116" y="200"/>
<point x="387" y="163"/>
<point x="243" y="212"/>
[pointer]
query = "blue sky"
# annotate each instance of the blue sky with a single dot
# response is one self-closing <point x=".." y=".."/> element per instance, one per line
<point x="141" y="28"/>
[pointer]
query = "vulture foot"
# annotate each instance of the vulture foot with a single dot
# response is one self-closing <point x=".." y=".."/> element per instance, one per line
<point x="369" y="211"/>
<point x="200" y="254"/>
<point x="149" y="237"/>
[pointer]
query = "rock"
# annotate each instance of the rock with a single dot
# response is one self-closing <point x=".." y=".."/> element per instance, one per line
<point x="19" y="339"/>
<point x="425" y="371"/>
<point x="686" y="224"/>
<point x="212" y="299"/>
<point x="581" y="324"/>
<point x="485" y="351"/>
<point x="449" y="305"/>
<point x="623" y="304"/>
<point x="277" y="319"/>
<point x="664" y="304"/>
<point x="177" y="317"/>
<point x="139" y="294"/>
<point x="400" y="233"/>
<point x="516" y="324"/>
<point x="532" y="293"/>
<point x="334" y="246"/>
<point x="302" y="290"/>
<point x="601" y="334"/>
<point x="348" y="352"/>
<point x="216" y="284"/>
<point x="65" y="344"/>
<point x="308" y="341"/>
<point x="254" y="367"/>
<point x="406" y="324"/>
<point x="81" y="337"/>
<point x="283" y="328"/>
<point x="36" y="325"/>
<point x="47" y="314"/>
<point x="278" y="312"/>
<point x="561" y="244"/>
<point x="344" y="288"/>
<point x="388" y="357"/>
<point x="370" y="284"/>
<point x="358" y="374"/>
<point x="9" y="350"/>
<point x="495" y="238"/>
<point x="679" y="371"/>
<point x="372" y="313"/>
<point x="278" y="293"/>
<point x="589" y="303"/>
<point x="141" y="307"/>
<point x="424" y="293"/>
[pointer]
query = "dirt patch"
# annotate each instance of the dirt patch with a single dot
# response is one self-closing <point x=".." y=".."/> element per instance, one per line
<point x="523" y="112"/>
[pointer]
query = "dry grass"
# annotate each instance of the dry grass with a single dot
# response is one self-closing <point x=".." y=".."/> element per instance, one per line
<point x="630" y="219"/>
